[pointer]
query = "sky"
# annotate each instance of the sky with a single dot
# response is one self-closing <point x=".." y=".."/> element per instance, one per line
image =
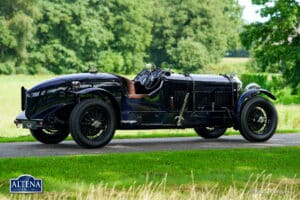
<point x="249" y="14"/>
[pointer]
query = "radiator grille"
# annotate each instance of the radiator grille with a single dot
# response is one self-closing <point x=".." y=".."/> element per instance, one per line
<point x="221" y="99"/>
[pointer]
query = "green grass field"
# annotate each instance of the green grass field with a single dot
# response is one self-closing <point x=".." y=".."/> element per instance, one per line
<point x="10" y="99"/>
<point x="204" y="168"/>
<point x="227" y="66"/>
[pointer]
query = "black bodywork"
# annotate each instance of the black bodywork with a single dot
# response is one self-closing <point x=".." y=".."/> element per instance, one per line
<point x="170" y="100"/>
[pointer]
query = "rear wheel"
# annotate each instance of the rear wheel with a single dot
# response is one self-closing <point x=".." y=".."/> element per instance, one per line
<point x="258" y="120"/>
<point x="210" y="132"/>
<point x="49" y="136"/>
<point x="92" y="123"/>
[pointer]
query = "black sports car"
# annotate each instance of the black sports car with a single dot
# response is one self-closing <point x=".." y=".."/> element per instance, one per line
<point x="91" y="106"/>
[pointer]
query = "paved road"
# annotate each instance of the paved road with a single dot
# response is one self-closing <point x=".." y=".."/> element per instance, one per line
<point x="30" y="149"/>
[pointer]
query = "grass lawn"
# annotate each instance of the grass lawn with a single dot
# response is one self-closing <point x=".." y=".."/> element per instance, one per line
<point x="209" y="167"/>
<point x="227" y="66"/>
<point x="10" y="99"/>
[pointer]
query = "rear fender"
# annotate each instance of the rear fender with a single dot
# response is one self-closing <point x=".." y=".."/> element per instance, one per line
<point x="49" y="111"/>
<point x="86" y="91"/>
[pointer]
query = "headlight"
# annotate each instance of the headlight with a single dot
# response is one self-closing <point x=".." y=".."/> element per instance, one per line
<point x="75" y="85"/>
<point x="252" y="86"/>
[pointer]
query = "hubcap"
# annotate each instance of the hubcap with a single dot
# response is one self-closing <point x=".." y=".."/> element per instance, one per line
<point x="51" y="131"/>
<point x="211" y="129"/>
<point x="96" y="124"/>
<point x="93" y="122"/>
<point x="258" y="120"/>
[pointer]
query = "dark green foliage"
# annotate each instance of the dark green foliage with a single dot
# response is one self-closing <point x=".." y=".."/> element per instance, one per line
<point x="64" y="36"/>
<point x="260" y="79"/>
<point x="189" y="55"/>
<point x="190" y="34"/>
<point x="74" y="36"/>
<point x="275" y="83"/>
<point x="16" y="29"/>
<point x="6" y="68"/>
<point x="272" y="82"/>
<point x="276" y="43"/>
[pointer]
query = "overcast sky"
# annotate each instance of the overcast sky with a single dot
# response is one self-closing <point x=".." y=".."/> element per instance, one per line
<point x="249" y="13"/>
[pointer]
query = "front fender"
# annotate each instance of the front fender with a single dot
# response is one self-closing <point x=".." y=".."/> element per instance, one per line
<point x="250" y="94"/>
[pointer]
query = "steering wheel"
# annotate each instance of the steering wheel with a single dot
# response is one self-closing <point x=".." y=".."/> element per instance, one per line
<point x="142" y="77"/>
<point x="153" y="78"/>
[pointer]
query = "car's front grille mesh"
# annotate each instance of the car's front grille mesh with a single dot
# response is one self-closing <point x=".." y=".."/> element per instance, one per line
<point x="205" y="99"/>
<point x="178" y="100"/>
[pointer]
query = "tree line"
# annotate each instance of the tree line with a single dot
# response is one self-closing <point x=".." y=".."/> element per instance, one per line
<point x="65" y="36"/>
<point x="120" y="36"/>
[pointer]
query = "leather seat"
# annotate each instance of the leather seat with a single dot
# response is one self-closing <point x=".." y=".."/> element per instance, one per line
<point x="131" y="91"/>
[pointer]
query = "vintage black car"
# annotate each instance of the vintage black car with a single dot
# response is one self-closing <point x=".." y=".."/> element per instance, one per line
<point x="91" y="106"/>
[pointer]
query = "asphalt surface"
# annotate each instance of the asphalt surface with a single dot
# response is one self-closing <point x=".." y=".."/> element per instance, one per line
<point x="32" y="149"/>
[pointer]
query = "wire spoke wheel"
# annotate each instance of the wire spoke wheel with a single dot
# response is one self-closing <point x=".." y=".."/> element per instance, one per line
<point x="51" y="131"/>
<point x="258" y="120"/>
<point x="92" y="123"/>
<point x="210" y="132"/>
<point x="50" y="136"/>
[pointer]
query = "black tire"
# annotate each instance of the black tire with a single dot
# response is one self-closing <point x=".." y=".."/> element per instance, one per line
<point x="210" y="132"/>
<point x="49" y="136"/>
<point x="92" y="123"/>
<point x="258" y="120"/>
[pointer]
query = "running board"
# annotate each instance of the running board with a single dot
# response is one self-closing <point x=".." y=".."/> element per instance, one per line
<point x="128" y="121"/>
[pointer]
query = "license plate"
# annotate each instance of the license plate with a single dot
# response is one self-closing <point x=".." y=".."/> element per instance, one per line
<point x="29" y="124"/>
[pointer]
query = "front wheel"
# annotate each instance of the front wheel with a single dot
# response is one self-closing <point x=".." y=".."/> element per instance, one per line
<point x="49" y="136"/>
<point x="258" y="120"/>
<point x="210" y="132"/>
<point x="92" y="123"/>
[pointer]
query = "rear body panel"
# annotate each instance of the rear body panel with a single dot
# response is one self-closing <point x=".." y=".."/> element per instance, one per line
<point x="56" y="93"/>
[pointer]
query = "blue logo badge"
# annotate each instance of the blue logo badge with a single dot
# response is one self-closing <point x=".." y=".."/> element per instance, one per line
<point x="26" y="184"/>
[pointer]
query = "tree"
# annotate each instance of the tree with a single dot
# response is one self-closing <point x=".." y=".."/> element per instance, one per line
<point x="189" y="55"/>
<point x="76" y="35"/>
<point x="65" y="36"/>
<point x="16" y="28"/>
<point x="130" y="23"/>
<point x="275" y="44"/>
<point x="192" y="33"/>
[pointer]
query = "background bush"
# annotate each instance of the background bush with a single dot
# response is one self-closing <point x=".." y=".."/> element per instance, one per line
<point x="274" y="83"/>
<point x="7" y="68"/>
